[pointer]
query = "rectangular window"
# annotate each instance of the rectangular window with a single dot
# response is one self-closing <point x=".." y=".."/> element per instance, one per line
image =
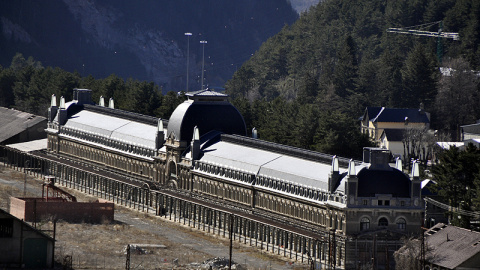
<point x="402" y="203"/>
<point x="6" y="227"/>
<point x="387" y="202"/>
<point x="380" y="202"/>
<point x="365" y="202"/>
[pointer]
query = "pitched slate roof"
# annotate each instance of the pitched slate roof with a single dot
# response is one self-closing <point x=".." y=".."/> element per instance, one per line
<point x="14" y="122"/>
<point x="382" y="114"/>
<point x="393" y="134"/>
<point x="453" y="246"/>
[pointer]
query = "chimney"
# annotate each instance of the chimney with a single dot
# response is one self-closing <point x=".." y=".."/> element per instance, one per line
<point x="195" y="145"/>
<point x="160" y="137"/>
<point x="334" y="175"/>
<point x="351" y="168"/>
<point x="62" y="113"/>
<point x="398" y="164"/>
<point x="351" y="184"/>
<point x="111" y="105"/>
<point x="52" y="111"/>
<point x="101" y="102"/>
<point x="416" y="182"/>
<point x="377" y="157"/>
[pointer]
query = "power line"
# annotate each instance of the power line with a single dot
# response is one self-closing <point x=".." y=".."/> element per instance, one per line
<point x="474" y="214"/>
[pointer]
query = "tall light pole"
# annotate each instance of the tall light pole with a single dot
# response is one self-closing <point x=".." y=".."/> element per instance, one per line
<point x="188" y="54"/>
<point x="203" y="42"/>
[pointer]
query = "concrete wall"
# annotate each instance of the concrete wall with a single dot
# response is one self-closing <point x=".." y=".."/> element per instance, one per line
<point x="31" y="209"/>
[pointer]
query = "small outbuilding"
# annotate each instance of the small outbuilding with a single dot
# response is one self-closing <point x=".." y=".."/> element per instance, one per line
<point x="18" y="126"/>
<point x="23" y="246"/>
<point x="452" y="247"/>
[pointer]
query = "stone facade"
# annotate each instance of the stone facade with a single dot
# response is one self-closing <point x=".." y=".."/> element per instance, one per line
<point x="355" y="200"/>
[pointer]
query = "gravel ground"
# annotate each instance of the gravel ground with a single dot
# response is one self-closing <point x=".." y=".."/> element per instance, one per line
<point x="102" y="246"/>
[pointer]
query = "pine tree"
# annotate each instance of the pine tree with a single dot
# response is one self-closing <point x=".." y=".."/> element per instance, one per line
<point x="419" y="75"/>
<point x="346" y="69"/>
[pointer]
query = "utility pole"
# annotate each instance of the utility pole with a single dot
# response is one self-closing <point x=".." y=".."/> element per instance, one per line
<point x="188" y="55"/>
<point x="203" y="42"/>
<point x="127" y="262"/>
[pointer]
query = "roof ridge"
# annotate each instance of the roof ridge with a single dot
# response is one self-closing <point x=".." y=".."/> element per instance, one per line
<point x="378" y="115"/>
<point x="132" y="116"/>
<point x="284" y="149"/>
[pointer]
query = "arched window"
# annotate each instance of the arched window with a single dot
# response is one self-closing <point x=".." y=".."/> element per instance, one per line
<point x="364" y="224"/>
<point x="383" y="222"/>
<point x="401" y="224"/>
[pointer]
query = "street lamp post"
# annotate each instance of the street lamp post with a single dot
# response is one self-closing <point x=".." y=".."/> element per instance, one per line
<point x="203" y="42"/>
<point x="188" y="54"/>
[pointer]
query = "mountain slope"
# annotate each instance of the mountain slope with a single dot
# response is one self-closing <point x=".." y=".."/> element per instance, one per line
<point x="144" y="40"/>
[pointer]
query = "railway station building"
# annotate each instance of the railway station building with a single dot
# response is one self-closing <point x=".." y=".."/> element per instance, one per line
<point x="366" y="206"/>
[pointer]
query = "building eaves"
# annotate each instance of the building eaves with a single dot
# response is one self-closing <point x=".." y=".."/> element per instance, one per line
<point x="452" y="246"/>
<point x="472" y="129"/>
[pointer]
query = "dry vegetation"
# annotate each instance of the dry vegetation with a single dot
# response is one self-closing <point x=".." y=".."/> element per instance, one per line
<point x="102" y="246"/>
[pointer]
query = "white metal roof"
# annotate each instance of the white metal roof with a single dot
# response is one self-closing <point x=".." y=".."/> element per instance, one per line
<point x="114" y="128"/>
<point x="269" y="164"/>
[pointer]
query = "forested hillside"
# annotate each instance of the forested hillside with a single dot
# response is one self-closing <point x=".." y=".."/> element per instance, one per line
<point x="28" y="86"/>
<point x="314" y="79"/>
<point x="308" y="85"/>
<point x="145" y="39"/>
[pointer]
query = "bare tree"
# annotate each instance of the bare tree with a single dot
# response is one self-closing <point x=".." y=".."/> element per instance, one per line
<point x="418" y="144"/>
<point x="409" y="256"/>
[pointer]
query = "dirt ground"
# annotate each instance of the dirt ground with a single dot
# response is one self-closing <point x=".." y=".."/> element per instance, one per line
<point x="103" y="246"/>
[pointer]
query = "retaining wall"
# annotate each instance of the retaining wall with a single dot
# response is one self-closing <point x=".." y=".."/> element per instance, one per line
<point x="37" y="209"/>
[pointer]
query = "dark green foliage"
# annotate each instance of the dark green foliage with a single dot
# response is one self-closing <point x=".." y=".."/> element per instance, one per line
<point x="458" y="179"/>
<point x="420" y="75"/>
<point x="338" y="134"/>
<point x="27" y="86"/>
<point x="346" y="69"/>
